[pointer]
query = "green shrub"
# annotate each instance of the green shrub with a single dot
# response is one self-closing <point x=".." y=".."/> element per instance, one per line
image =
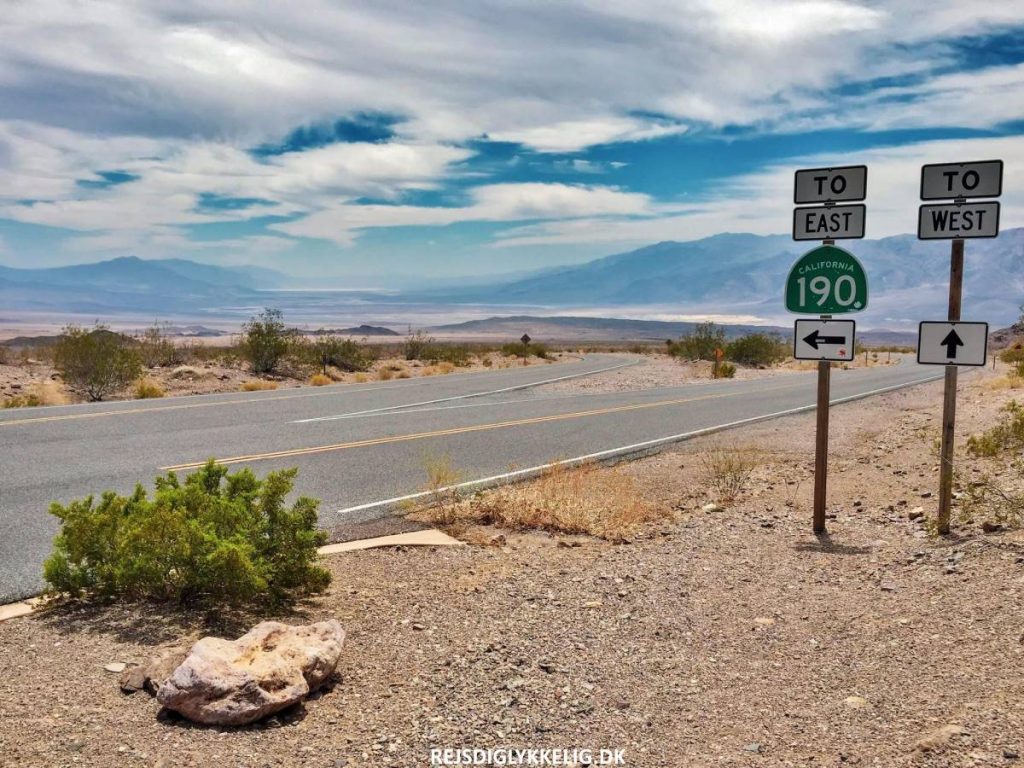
<point x="1013" y="355"/>
<point x="1007" y="435"/>
<point x="265" y="341"/>
<point x="757" y="349"/>
<point x="216" y="538"/>
<point x="699" y="345"/>
<point x="418" y="346"/>
<point x="325" y="350"/>
<point x="157" y="349"/>
<point x="456" y="354"/>
<point x="519" y="349"/>
<point x="725" y="371"/>
<point x="1018" y="369"/>
<point x="96" y="361"/>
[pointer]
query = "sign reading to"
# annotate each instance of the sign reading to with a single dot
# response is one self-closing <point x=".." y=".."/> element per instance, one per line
<point x="953" y="220"/>
<point x="943" y="181"/>
<point x="840" y="222"/>
<point x="824" y="340"/>
<point x="826" y="281"/>
<point x="831" y="185"/>
<point x="952" y="343"/>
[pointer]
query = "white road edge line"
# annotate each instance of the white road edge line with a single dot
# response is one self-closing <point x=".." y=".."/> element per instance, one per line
<point x="623" y="451"/>
<point x="516" y="388"/>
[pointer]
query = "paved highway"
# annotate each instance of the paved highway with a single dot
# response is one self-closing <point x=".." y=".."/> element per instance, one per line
<point x="358" y="445"/>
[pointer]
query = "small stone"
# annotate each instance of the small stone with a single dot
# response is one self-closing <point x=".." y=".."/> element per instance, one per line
<point x="938" y="739"/>
<point x="916" y="513"/>
<point x="926" y="495"/>
<point x="117" y="667"/>
<point x="764" y="621"/>
<point x="855" y="702"/>
<point x="753" y="747"/>
<point x="417" y="627"/>
<point x="593" y="604"/>
<point x="989" y="527"/>
<point x="887" y="586"/>
<point x="712" y="507"/>
<point x="1010" y="754"/>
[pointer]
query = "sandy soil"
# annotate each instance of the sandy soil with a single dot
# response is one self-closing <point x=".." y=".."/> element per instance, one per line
<point x="19" y="378"/>
<point x="728" y="637"/>
<point x="660" y="370"/>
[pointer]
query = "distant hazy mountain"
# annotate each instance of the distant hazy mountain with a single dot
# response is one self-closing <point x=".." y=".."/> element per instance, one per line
<point x="132" y="284"/>
<point x="906" y="276"/>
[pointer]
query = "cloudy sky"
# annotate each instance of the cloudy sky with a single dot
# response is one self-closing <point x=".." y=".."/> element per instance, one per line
<point x="384" y="143"/>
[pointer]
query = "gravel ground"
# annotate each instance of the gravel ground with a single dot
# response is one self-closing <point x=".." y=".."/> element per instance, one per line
<point x="730" y="637"/>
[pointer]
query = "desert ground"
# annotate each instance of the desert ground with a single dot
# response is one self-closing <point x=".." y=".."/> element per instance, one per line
<point x="720" y="632"/>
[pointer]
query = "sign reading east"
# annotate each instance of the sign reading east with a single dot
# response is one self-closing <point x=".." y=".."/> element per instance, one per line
<point x="944" y="181"/>
<point x="831" y="185"/>
<point x="840" y="222"/>
<point x="824" y="340"/>
<point x="958" y="220"/>
<point x="952" y="343"/>
<point x="826" y="281"/>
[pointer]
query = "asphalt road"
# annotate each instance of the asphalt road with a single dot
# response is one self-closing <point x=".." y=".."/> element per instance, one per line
<point x="356" y="446"/>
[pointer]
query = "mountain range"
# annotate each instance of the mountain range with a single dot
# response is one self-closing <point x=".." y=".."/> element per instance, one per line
<point x="729" y="274"/>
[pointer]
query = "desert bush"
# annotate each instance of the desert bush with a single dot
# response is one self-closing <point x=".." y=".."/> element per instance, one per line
<point x="1006" y="435"/>
<point x="258" y="385"/>
<point x="700" y="344"/>
<point x="320" y="380"/>
<point x="28" y="400"/>
<point x="418" y="346"/>
<point x="725" y="371"/>
<point x="361" y="378"/>
<point x="385" y="374"/>
<point x="457" y="355"/>
<point x="214" y="538"/>
<point x="5" y="355"/>
<point x="996" y="500"/>
<point x="1018" y="369"/>
<point x="521" y="350"/>
<point x="156" y="348"/>
<point x="325" y="350"/>
<point x="265" y="341"/>
<point x="588" y="500"/>
<point x="442" y="479"/>
<point x="97" y="362"/>
<point x="757" y="349"/>
<point x="726" y="471"/>
<point x="146" y="389"/>
<point x="40" y="393"/>
<point x="1013" y="355"/>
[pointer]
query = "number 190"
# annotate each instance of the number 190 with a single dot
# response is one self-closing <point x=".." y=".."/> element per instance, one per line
<point x="844" y="291"/>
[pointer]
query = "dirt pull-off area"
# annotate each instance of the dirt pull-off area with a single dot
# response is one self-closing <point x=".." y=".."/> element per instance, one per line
<point x="713" y="637"/>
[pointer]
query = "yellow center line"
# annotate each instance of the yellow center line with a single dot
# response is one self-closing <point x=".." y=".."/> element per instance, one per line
<point x="461" y="430"/>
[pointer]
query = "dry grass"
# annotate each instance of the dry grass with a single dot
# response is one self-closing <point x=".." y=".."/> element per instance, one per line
<point x="361" y="378"/>
<point x="1009" y="381"/>
<point x="588" y="500"/>
<point x="147" y="389"/>
<point x="385" y="374"/>
<point x="727" y="470"/>
<point x="320" y="380"/>
<point x="258" y="385"/>
<point x="41" y="393"/>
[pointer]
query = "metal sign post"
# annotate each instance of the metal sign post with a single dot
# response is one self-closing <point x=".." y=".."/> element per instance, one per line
<point x="955" y="221"/>
<point x="826" y="281"/>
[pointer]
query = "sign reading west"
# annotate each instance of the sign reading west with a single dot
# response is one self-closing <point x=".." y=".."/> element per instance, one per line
<point x="958" y="220"/>
<point x="952" y="343"/>
<point x="944" y="181"/>
<point x="824" y="340"/>
<point x="831" y="185"/>
<point x="840" y="222"/>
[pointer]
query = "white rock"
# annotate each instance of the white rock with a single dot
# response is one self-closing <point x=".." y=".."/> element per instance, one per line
<point x="271" y="667"/>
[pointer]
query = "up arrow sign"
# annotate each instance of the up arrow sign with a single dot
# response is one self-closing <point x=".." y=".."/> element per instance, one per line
<point x="814" y="339"/>
<point x="951" y="342"/>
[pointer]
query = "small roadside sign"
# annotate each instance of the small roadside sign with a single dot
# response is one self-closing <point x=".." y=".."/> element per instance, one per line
<point x="826" y="281"/>
<point x="525" y="338"/>
<point x="824" y="340"/>
<point x="838" y="222"/>
<point x="952" y="343"/>
<point x="958" y="220"/>
<point x="831" y="185"/>
<point x="944" y="181"/>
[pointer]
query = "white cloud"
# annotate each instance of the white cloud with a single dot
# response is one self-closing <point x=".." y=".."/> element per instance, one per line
<point x="762" y="202"/>
<point x="497" y="202"/>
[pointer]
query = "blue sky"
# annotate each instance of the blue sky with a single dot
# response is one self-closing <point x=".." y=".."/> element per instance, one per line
<point x="399" y="143"/>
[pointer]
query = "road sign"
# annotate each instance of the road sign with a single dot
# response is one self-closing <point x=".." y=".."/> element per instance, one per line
<point x="952" y="343"/>
<point x="955" y="220"/>
<point x="839" y="222"/>
<point x="831" y="185"/>
<point x="944" y="181"/>
<point x="826" y="281"/>
<point x="824" y="340"/>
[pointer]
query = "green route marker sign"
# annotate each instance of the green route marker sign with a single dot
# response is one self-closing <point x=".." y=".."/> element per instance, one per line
<point x="827" y="281"/>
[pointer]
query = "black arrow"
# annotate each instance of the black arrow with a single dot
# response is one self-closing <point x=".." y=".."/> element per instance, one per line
<point x="951" y="342"/>
<point x="814" y="339"/>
